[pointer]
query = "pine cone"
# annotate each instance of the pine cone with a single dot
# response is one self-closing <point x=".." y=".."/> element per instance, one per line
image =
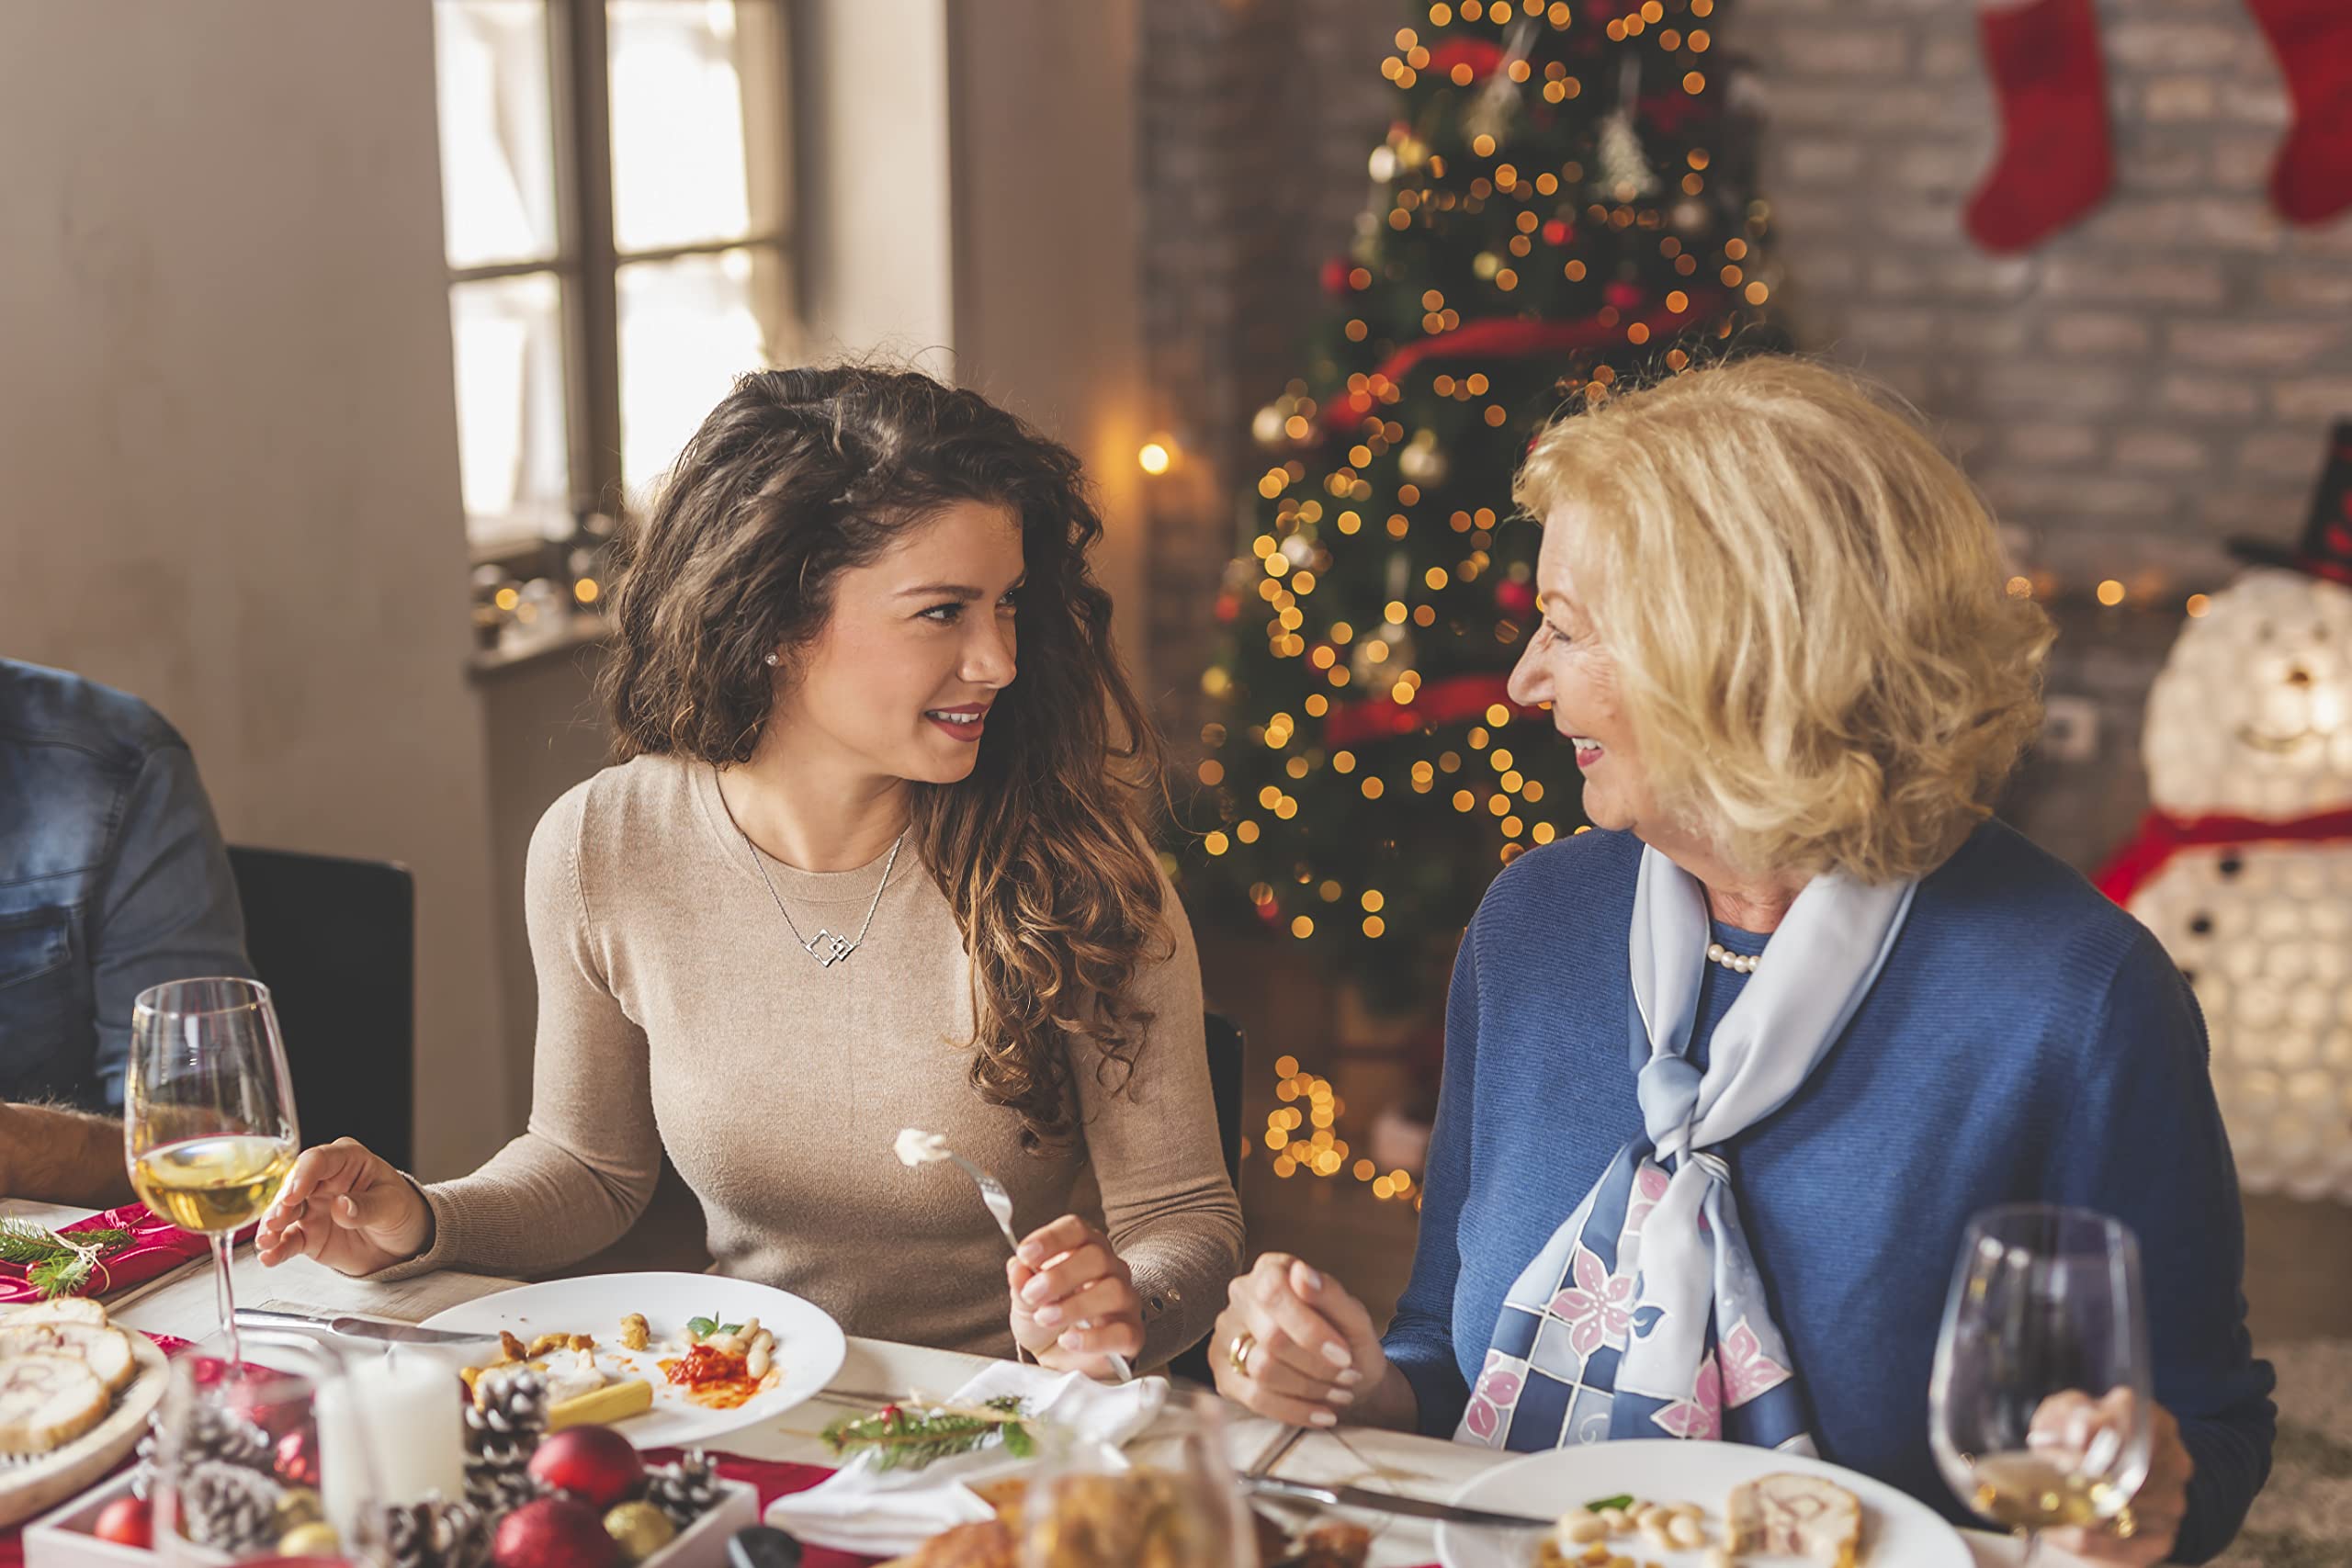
<point x="503" y="1426"/>
<point x="435" y="1533"/>
<point x="686" y="1489"/>
<point x="227" y="1506"/>
<point x="209" y="1434"/>
<point x="509" y="1409"/>
<point x="495" y="1490"/>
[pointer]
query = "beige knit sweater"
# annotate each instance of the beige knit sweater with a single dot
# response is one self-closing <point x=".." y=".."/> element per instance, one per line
<point x="676" y="1012"/>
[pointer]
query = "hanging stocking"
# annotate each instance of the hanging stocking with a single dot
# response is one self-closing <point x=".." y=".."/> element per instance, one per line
<point x="2042" y="57"/>
<point x="2312" y="181"/>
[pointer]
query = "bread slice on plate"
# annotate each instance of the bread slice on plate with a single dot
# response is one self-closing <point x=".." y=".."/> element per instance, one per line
<point x="64" y="1309"/>
<point x="1797" y="1516"/>
<point x="107" y="1350"/>
<point x="48" y="1400"/>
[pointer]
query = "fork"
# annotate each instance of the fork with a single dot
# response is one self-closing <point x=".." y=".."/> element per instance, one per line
<point x="998" y="1203"/>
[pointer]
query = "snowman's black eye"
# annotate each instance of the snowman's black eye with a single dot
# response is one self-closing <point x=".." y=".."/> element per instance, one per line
<point x="2200" y="925"/>
<point x="2231" y="866"/>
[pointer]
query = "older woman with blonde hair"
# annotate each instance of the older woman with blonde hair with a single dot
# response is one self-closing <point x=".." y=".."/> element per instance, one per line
<point x="1859" y="1008"/>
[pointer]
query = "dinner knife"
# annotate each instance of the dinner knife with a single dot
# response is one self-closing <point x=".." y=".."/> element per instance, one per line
<point x="1390" y="1503"/>
<point x="360" y="1327"/>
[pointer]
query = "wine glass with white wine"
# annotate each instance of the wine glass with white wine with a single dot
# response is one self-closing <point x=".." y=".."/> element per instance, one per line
<point x="208" y="1117"/>
<point x="2038" y="1409"/>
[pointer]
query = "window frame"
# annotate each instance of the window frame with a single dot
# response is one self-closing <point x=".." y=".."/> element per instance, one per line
<point x="588" y="259"/>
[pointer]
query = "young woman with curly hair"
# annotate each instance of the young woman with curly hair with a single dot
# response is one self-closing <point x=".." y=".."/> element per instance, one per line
<point x="852" y="875"/>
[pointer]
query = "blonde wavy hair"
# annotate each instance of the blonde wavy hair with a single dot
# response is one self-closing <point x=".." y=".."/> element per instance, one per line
<point x="1819" y="658"/>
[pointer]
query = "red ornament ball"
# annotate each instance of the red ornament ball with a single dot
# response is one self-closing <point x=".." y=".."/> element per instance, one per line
<point x="296" y="1458"/>
<point x="554" y="1532"/>
<point x="1335" y="276"/>
<point x="595" y="1465"/>
<point x="1229" y="605"/>
<point x="128" y="1521"/>
<point x="1516" y="599"/>
<point x="1558" y="231"/>
<point x="1625" y="295"/>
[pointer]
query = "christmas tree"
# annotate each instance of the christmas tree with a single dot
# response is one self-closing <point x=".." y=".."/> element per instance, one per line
<point x="1561" y="205"/>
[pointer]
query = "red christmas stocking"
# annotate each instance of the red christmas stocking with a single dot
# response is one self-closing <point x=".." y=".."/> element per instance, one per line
<point x="2042" y="57"/>
<point x="2312" y="181"/>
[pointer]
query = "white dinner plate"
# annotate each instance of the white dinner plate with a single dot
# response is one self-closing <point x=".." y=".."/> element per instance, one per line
<point x="1898" y="1530"/>
<point x="808" y="1343"/>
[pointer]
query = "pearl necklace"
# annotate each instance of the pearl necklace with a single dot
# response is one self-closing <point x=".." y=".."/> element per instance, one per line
<point x="1737" y="963"/>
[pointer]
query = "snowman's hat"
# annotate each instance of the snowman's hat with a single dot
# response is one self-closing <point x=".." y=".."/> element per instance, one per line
<point x="2326" y="548"/>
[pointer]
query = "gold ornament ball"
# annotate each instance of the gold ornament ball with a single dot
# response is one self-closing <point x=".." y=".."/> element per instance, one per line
<point x="639" y="1529"/>
<point x="297" y="1507"/>
<point x="316" y="1538"/>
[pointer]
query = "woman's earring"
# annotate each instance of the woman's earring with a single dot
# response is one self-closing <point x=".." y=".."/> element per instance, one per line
<point x="774" y="662"/>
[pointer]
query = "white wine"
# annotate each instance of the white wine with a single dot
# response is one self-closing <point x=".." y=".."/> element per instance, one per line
<point x="213" y="1184"/>
<point x="2025" y="1491"/>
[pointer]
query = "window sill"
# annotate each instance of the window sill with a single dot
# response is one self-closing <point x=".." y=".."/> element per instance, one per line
<point x="577" y="632"/>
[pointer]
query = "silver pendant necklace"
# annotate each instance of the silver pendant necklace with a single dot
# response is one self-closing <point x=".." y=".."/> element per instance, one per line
<point x="824" y="947"/>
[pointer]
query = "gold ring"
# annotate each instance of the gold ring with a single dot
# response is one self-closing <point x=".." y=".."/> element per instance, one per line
<point x="2126" y="1524"/>
<point x="1237" y="1354"/>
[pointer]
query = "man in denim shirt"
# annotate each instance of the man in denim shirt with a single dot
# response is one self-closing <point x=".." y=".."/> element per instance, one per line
<point x="113" y="878"/>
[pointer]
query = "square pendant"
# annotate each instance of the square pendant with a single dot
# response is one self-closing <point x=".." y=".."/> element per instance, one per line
<point x="829" y="949"/>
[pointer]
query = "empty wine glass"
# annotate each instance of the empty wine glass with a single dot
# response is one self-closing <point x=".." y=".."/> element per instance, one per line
<point x="2038" y="1409"/>
<point x="209" y="1113"/>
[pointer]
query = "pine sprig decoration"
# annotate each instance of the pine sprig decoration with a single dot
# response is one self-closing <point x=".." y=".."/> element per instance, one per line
<point x="227" y="1506"/>
<point x="903" y="1439"/>
<point x="57" y="1263"/>
<point x="686" y="1489"/>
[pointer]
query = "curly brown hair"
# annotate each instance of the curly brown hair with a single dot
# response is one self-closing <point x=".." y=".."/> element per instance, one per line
<point x="1042" y="850"/>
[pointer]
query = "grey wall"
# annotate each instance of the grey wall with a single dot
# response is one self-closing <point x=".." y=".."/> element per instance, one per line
<point x="229" y="453"/>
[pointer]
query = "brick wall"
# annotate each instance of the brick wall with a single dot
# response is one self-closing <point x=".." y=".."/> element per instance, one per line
<point x="2142" y="385"/>
<point x="2131" y="393"/>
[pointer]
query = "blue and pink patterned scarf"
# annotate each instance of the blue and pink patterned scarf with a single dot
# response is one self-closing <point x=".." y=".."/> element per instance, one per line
<point x="1644" y="1315"/>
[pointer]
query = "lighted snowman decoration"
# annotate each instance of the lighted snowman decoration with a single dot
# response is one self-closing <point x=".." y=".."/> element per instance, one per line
<point x="2243" y="868"/>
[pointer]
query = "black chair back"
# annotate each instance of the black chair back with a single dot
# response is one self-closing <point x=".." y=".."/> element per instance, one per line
<point x="1226" y="1043"/>
<point x="334" y="940"/>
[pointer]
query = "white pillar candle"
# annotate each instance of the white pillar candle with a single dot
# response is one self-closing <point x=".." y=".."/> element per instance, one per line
<point x="397" y="1417"/>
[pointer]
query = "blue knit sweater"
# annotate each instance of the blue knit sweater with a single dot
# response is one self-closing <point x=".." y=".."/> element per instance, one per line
<point x="2026" y="1040"/>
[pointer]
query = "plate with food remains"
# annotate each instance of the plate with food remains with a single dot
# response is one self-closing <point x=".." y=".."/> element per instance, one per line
<point x="664" y="1359"/>
<point x="1696" y="1505"/>
<point x="74" y="1396"/>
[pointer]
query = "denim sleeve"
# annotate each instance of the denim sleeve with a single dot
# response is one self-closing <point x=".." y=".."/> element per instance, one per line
<point x="2145" y="1144"/>
<point x="1419" y="1340"/>
<point x="165" y="907"/>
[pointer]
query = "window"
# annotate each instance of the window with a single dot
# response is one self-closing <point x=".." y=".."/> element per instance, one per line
<point x="615" y="200"/>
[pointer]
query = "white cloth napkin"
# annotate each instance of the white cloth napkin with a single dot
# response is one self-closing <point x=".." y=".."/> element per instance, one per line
<point x="888" y="1513"/>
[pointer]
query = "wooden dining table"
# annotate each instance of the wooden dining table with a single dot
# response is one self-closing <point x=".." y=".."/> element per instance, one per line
<point x="183" y="1303"/>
